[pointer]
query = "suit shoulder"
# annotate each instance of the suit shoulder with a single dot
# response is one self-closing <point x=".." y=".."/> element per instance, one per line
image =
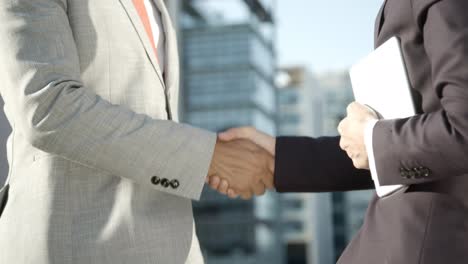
<point x="446" y="7"/>
<point x="420" y="9"/>
<point x="421" y="6"/>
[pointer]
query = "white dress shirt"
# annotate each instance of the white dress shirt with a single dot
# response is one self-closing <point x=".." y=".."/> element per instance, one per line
<point x="158" y="31"/>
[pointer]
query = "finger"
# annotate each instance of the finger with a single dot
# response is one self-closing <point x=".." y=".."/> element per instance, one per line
<point x="357" y="155"/>
<point x="214" y="182"/>
<point x="354" y="107"/>
<point x="223" y="187"/>
<point x="246" y="195"/>
<point x="229" y="135"/>
<point x="271" y="164"/>
<point x="351" y="154"/>
<point x="232" y="194"/>
<point x="349" y="109"/>
<point x="251" y="146"/>
<point x="342" y="126"/>
<point x="263" y="140"/>
<point x="267" y="177"/>
<point x="259" y="189"/>
<point x="269" y="185"/>
<point x="344" y="144"/>
<point x="359" y="163"/>
<point x="269" y="181"/>
<point x="234" y="133"/>
<point x="358" y="106"/>
<point x="250" y="133"/>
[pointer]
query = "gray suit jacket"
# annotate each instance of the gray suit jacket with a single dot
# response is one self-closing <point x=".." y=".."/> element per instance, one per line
<point x="428" y="222"/>
<point x="100" y="170"/>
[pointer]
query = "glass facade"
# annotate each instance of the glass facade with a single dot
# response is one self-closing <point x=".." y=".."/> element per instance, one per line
<point x="228" y="82"/>
<point x="226" y="66"/>
<point x="306" y="217"/>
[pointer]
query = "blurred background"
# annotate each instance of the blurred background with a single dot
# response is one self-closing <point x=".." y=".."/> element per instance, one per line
<point x="282" y="67"/>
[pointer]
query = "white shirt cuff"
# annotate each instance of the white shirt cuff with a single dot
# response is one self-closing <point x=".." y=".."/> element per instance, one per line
<point x="368" y="133"/>
<point x="368" y="137"/>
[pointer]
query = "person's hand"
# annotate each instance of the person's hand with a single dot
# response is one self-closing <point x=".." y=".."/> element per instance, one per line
<point x="352" y="130"/>
<point x="242" y="167"/>
<point x="261" y="139"/>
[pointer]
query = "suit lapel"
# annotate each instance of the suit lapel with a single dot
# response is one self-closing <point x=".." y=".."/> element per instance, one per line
<point x="379" y="22"/>
<point x="171" y="46"/>
<point x="144" y="38"/>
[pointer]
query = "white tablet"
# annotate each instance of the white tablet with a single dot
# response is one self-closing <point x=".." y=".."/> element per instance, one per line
<point x="380" y="81"/>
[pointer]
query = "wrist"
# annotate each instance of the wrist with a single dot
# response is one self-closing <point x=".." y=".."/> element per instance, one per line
<point x="212" y="168"/>
<point x="273" y="146"/>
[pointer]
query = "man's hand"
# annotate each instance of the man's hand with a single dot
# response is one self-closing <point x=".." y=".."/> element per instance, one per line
<point x="263" y="140"/>
<point x="241" y="167"/>
<point x="352" y="129"/>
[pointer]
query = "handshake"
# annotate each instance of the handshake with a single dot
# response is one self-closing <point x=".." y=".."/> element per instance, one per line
<point x="243" y="163"/>
<point x="244" y="158"/>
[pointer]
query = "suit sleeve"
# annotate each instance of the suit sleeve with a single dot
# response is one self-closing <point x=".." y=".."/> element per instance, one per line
<point x="40" y="75"/>
<point x="432" y="146"/>
<point x="316" y="165"/>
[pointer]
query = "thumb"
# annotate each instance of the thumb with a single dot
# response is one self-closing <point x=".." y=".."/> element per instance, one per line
<point x="231" y="134"/>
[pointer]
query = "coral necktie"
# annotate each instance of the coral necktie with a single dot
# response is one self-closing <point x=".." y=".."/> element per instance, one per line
<point x="141" y="9"/>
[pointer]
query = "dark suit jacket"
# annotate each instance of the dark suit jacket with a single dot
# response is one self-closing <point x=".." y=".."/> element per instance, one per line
<point x="428" y="223"/>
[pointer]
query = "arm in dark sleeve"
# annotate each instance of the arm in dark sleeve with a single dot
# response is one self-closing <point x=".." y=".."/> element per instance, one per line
<point x="432" y="146"/>
<point x="316" y="165"/>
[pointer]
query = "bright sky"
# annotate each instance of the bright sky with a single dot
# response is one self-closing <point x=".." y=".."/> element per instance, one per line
<point x="325" y="35"/>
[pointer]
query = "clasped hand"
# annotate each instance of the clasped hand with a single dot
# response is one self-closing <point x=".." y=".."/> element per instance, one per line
<point x="352" y="132"/>
<point x="243" y="163"/>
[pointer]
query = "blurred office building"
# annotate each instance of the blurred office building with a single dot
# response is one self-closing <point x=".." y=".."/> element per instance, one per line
<point x="229" y="65"/>
<point x="299" y="103"/>
<point x="348" y="208"/>
<point x="306" y="218"/>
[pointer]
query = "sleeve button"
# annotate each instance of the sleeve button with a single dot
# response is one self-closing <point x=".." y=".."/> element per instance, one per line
<point x="165" y="183"/>
<point x="155" y="180"/>
<point x="404" y="173"/>
<point x="175" y="184"/>
<point x="426" y="172"/>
